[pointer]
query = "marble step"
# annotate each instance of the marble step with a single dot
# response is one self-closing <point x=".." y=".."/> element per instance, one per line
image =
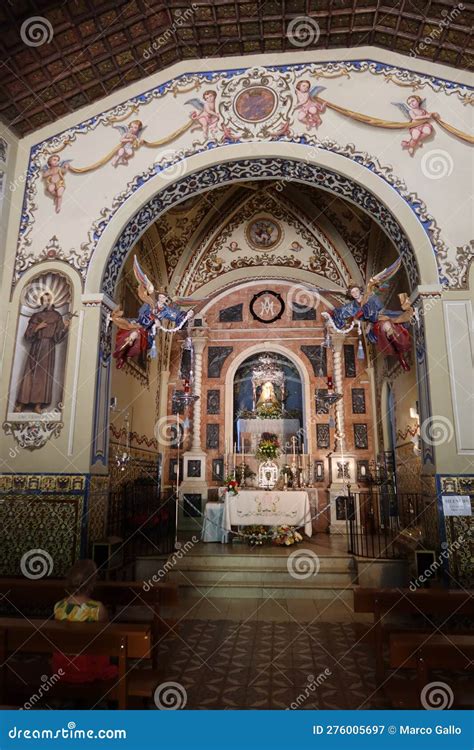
<point x="242" y="590"/>
<point x="257" y="561"/>
<point x="214" y="576"/>
<point x="148" y="566"/>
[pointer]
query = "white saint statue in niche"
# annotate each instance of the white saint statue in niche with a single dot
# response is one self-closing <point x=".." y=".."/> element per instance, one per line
<point x="267" y="395"/>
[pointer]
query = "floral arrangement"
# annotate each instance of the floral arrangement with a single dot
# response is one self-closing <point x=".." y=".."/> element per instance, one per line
<point x="268" y="447"/>
<point x="269" y="411"/>
<point x="232" y="485"/>
<point x="285" y="536"/>
<point x="258" y="535"/>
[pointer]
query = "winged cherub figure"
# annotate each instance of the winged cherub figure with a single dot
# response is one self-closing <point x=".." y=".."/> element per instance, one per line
<point x="205" y="113"/>
<point x="138" y="334"/>
<point x="54" y="176"/>
<point x="414" y="110"/>
<point x="387" y="329"/>
<point x="309" y="107"/>
<point x="130" y="140"/>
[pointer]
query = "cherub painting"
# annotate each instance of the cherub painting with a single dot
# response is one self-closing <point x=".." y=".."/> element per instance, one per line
<point x="205" y="113"/>
<point x="387" y="329"/>
<point x="309" y="107"/>
<point x="130" y="141"/>
<point x="414" y="110"/>
<point x="54" y="172"/>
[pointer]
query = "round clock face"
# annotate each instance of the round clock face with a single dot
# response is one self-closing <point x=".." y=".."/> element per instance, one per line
<point x="267" y="306"/>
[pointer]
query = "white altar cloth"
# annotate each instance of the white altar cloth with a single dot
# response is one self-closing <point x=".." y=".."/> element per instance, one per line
<point x="274" y="508"/>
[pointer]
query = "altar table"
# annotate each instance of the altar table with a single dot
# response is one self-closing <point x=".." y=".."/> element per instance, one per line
<point x="268" y="508"/>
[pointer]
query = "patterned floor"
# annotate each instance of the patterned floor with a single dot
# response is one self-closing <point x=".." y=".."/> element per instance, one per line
<point x="270" y="665"/>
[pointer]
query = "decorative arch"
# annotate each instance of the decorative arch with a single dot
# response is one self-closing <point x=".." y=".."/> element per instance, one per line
<point x="273" y="347"/>
<point x="333" y="172"/>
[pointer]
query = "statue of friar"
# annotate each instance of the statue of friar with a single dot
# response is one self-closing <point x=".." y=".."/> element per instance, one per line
<point x="45" y="329"/>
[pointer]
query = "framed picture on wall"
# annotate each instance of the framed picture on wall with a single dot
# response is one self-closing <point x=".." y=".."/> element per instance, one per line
<point x="218" y="469"/>
<point x="319" y="471"/>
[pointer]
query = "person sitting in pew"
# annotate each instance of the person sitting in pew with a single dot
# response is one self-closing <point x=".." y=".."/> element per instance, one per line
<point x="78" y="606"/>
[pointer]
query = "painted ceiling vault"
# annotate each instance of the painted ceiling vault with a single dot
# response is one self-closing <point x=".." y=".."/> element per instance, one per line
<point x="95" y="47"/>
<point x="213" y="239"/>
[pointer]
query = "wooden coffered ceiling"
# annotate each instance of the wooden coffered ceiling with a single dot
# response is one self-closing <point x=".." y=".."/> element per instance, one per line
<point x="97" y="46"/>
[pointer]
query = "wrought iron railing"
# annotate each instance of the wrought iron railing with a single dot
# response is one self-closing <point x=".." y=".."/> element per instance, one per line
<point x="143" y="517"/>
<point x="383" y="524"/>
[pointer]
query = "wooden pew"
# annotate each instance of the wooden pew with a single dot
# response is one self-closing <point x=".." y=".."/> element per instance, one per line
<point x="26" y="596"/>
<point x="19" y="636"/>
<point x="426" y="603"/>
<point x="425" y="652"/>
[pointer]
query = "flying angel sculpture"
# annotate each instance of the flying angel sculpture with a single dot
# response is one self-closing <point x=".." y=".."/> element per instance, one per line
<point x="387" y="329"/>
<point x="157" y="313"/>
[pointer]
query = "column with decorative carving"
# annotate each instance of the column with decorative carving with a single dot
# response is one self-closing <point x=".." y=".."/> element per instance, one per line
<point x="199" y="346"/>
<point x="339" y="387"/>
<point x="193" y="491"/>
<point x="343" y="464"/>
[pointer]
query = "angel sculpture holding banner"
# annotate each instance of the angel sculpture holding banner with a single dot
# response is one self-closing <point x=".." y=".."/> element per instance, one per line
<point x="138" y="334"/>
<point x="387" y="329"/>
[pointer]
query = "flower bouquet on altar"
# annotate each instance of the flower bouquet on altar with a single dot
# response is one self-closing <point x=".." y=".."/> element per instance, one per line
<point x="268" y="447"/>
<point x="258" y="535"/>
<point x="285" y="536"/>
<point x="232" y="484"/>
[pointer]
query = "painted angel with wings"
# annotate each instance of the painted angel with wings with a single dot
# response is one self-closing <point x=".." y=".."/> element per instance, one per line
<point x="54" y="176"/>
<point x="387" y="329"/>
<point x="415" y="110"/>
<point x="138" y="335"/>
<point x="205" y="112"/>
<point x="129" y="141"/>
<point x="309" y="107"/>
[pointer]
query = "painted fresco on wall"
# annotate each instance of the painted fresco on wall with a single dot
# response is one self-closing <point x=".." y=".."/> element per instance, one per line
<point x="234" y="106"/>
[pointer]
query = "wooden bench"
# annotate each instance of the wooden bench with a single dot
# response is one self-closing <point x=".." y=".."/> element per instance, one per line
<point x="425" y="652"/>
<point x="26" y="596"/>
<point x="45" y="637"/>
<point x="425" y="603"/>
